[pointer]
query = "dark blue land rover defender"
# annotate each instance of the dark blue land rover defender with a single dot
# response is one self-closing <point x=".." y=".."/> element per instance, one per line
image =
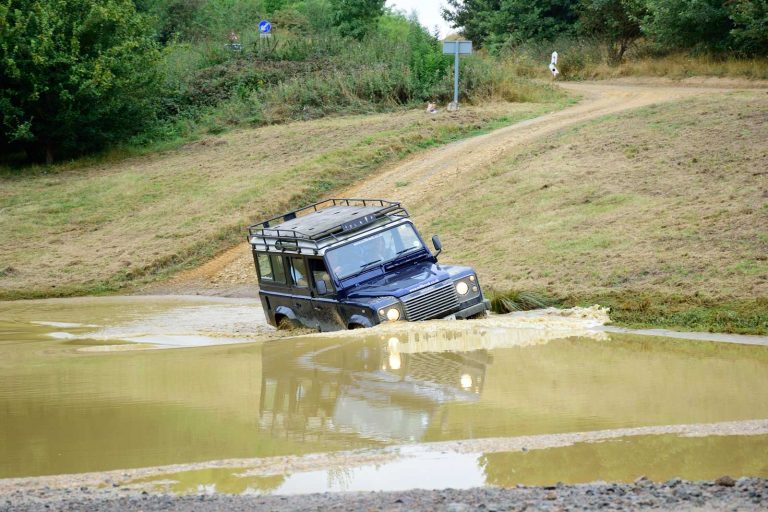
<point x="351" y="263"/>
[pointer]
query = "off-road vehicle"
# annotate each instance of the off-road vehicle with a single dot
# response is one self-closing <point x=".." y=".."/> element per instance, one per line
<point x="351" y="263"/>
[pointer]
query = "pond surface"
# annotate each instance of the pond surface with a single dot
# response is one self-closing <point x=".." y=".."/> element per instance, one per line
<point x="76" y="396"/>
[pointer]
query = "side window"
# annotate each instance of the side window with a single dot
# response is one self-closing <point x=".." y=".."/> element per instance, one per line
<point x="299" y="273"/>
<point x="320" y="273"/>
<point x="265" y="269"/>
<point x="277" y="268"/>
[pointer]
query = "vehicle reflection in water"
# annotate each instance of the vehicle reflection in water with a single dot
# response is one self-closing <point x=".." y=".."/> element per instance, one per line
<point x="370" y="388"/>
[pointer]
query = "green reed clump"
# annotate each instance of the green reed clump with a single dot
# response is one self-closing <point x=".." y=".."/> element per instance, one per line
<point x="515" y="300"/>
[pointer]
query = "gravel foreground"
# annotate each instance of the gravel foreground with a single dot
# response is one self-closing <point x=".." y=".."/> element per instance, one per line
<point x="722" y="494"/>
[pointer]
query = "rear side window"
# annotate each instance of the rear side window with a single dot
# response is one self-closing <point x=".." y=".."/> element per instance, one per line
<point x="265" y="268"/>
<point x="271" y="268"/>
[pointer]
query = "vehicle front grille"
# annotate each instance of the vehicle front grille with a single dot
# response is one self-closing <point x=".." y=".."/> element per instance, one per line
<point x="430" y="304"/>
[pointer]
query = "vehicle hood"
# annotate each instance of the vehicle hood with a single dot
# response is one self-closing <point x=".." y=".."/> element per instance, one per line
<point x="402" y="281"/>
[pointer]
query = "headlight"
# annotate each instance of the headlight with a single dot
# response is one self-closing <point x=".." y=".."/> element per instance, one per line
<point x="393" y="314"/>
<point x="462" y="288"/>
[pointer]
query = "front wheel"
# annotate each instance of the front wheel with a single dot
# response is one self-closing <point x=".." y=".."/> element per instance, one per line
<point x="286" y="324"/>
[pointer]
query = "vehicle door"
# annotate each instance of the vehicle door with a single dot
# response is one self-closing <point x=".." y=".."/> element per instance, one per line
<point x="325" y="304"/>
<point x="298" y="277"/>
<point x="275" y="291"/>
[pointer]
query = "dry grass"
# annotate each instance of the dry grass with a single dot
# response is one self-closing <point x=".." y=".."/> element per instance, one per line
<point x="576" y="64"/>
<point x="670" y="200"/>
<point x="684" y="66"/>
<point x="100" y="227"/>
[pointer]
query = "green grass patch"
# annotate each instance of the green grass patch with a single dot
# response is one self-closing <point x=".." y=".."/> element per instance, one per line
<point x="682" y="313"/>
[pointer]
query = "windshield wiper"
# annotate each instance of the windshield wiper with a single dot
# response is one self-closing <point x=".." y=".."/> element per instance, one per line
<point x="366" y="265"/>
<point x="407" y="249"/>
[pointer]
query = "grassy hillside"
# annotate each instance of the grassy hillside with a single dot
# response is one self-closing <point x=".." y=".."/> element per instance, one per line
<point x="101" y="227"/>
<point x="661" y="213"/>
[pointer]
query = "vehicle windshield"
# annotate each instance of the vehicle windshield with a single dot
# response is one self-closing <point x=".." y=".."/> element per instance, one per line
<point x="368" y="252"/>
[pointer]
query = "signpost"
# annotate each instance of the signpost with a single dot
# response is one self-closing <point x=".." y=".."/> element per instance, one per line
<point x="456" y="48"/>
<point x="264" y="28"/>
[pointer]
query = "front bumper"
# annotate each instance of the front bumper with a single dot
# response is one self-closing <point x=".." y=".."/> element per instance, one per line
<point x="473" y="310"/>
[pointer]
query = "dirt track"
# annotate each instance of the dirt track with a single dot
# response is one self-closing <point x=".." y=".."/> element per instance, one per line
<point x="231" y="272"/>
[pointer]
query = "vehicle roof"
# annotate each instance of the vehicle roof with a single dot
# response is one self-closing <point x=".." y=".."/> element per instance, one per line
<point x="324" y="224"/>
<point x="318" y="223"/>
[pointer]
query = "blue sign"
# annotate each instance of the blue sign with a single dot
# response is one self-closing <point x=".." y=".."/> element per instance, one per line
<point x="265" y="26"/>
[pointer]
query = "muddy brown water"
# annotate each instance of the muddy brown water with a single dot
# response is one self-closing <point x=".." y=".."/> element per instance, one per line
<point x="85" y="388"/>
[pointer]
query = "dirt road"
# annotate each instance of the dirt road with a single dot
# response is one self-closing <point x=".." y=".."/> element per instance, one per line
<point x="231" y="273"/>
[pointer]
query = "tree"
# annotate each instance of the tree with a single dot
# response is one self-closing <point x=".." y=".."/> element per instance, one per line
<point x="75" y="75"/>
<point x="356" y="18"/>
<point x="615" y="22"/>
<point x="688" y="24"/>
<point x="475" y="18"/>
<point x="177" y="19"/>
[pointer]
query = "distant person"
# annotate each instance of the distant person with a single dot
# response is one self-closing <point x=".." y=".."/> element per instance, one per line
<point x="233" y="39"/>
<point x="431" y="108"/>
<point x="553" y="65"/>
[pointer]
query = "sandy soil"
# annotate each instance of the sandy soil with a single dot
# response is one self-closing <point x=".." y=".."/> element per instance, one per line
<point x="231" y="273"/>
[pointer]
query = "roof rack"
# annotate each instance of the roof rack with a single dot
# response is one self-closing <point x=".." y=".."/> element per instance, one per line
<point x="284" y="238"/>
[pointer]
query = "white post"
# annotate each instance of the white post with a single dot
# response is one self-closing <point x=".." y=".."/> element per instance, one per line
<point x="456" y="76"/>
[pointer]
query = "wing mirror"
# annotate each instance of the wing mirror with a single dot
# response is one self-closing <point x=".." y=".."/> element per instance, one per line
<point x="437" y="244"/>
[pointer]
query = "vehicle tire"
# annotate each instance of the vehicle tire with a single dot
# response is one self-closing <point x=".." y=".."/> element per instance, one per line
<point x="478" y="316"/>
<point x="356" y="326"/>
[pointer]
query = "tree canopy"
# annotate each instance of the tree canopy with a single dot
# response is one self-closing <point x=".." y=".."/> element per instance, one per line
<point x="494" y="23"/>
<point x="615" y="22"/>
<point x="75" y="74"/>
<point x="700" y="24"/>
<point x="670" y="25"/>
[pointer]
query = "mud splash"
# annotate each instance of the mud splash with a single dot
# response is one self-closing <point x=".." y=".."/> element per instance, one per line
<point x="495" y="331"/>
<point x="194" y="322"/>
